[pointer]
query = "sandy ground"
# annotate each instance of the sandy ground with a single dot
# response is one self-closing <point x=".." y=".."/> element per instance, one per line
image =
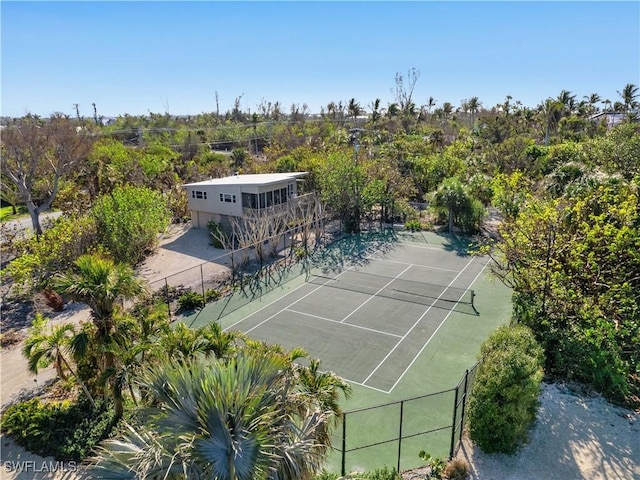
<point x="575" y="436"/>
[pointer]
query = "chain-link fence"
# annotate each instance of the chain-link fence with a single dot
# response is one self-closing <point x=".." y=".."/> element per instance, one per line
<point x="394" y="433"/>
<point x="238" y="276"/>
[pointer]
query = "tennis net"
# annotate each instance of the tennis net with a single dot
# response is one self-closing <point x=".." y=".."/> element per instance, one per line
<point x="396" y="288"/>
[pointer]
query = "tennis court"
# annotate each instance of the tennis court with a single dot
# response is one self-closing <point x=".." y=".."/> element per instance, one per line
<point x="369" y="317"/>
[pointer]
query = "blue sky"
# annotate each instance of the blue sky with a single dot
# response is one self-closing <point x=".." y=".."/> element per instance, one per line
<point x="140" y="57"/>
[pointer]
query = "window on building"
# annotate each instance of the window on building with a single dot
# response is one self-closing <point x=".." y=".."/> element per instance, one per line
<point x="249" y="200"/>
<point x="228" y="198"/>
<point x="198" y="194"/>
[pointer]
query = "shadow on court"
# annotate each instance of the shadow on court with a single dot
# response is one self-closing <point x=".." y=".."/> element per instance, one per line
<point x="458" y="244"/>
<point x="353" y="250"/>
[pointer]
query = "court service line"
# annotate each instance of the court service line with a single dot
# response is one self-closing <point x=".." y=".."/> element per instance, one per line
<point x="360" y="327"/>
<point x="417" y="322"/>
<point x="371" y="297"/>
<point x="417" y="265"/>
<point x="433" y="335"/>
<point x="277" y="300"/>
<point x="287" y="294"/>
<point x="424" y="247"/>
<point x="366" y="386"/>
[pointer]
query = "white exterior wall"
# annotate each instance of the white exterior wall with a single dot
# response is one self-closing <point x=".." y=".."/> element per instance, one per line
<point x="212" y="207"/>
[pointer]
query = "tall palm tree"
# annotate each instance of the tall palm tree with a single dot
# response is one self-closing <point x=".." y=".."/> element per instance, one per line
<point x="629" y="94"/>
<point x="232" y="420"/>
<point x="567" y="101"/>
<point x="430" y="104"/>
<point x="354" y="109"/>
<point x="592" y="100"/>
<point x="552" y="110"/>
<point x="474" y="106"/>
<point x="102" y="284"/>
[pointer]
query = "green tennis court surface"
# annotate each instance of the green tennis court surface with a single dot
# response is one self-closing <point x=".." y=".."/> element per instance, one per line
<point x="369" y="321"/>
<point x="393" y="316"/>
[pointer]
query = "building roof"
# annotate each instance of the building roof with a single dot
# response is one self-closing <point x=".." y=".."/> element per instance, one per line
<point x="251" y="179"/>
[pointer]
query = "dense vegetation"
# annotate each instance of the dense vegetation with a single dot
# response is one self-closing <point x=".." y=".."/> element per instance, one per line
<point x="564" y="183"/>
<point x="504" y="397"/>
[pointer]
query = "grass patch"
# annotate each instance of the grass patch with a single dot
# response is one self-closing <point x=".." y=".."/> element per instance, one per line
<point x="6" y="213"/>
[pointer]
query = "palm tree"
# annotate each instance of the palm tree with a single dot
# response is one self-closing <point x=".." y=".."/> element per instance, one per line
<point x="102" y="285"/>
<point x="42" y="348"/>
<point x="375" y="111"/>
<point x="221" y="344"/>
<point x="567" y="101"/>
<point x="629" y="94"/>
<point x="322" y="389"/>
<point x="430" y="104"/>
<point x="474" y="106"/>
<point x="354" y="109"/>
<point x="452" y="196"/>
<point x="552" y="110"/>
<point x="232" y="420"/>
<point x="592" y="100"/>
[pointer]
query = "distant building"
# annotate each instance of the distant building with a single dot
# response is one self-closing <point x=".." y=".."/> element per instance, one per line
<point x="219" y="199"/>
<point x="610" y="119"/>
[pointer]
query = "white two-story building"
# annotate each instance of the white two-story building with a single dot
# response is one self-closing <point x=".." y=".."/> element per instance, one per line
<point x="219" y="199"/>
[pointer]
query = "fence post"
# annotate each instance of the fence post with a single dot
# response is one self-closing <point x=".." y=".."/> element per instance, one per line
<point x="453" y="427"/>
<point x="464" y="401"/>
<point x="344" y="443"/>
<point x="204" y="298"/>
<point x="400" y="434"/>
<point x="166" y="291"/>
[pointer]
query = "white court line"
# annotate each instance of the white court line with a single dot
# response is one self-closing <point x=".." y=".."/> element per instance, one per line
<point x="375" y="294"/>
<point x="344" y="323"/>
<point x="417" y="322"/>
<point x="367" y="386"/>
<point x="432" y="335"/>
<point x="416" y="265"/>
<point x="287" y="294"/>
<point x="426" y="247"/>
<point x="277" y="300"/>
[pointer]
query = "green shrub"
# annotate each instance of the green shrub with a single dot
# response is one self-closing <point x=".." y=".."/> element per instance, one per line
<point x="129" y="220"/>
<point x="190" y="301"/>
<point x="55" y="250"/>
<point x="300" y="253"/>
<point x="325" y="475"/>
<point x="211" y="295"/>
<point x="413" y="225"/>
<point x="61" y="429"/>
<point x="504" y="396"/>
<point x="437" y="465"/>
<point x="384" y="473"/>
<point x="472" y="216"/>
